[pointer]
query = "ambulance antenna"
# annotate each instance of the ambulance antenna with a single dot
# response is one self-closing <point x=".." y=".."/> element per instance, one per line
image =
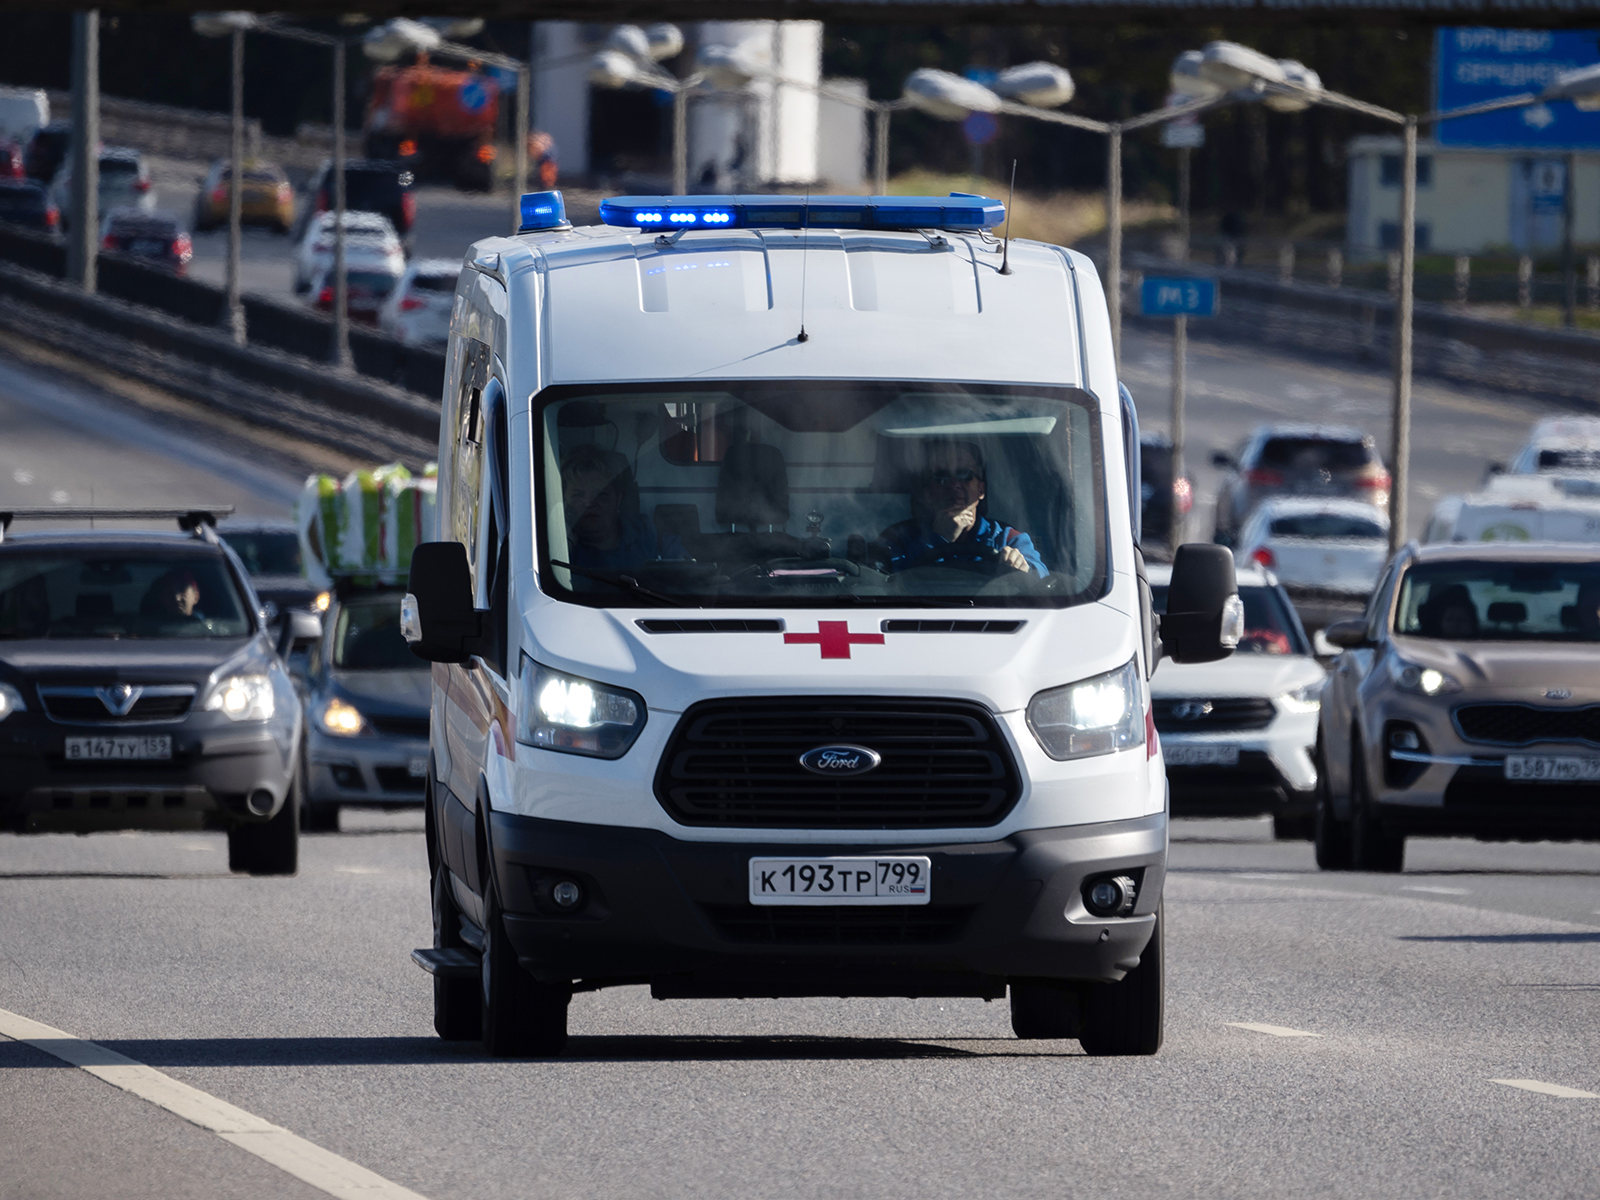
<point x="805" y="250"/>
<point x="1005" y="253"/>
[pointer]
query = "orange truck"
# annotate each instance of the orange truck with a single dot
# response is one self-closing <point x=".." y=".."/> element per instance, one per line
<point x="439" y="121"/>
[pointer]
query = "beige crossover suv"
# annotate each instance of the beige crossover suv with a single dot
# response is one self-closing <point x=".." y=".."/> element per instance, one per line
<point x="1466" y="702"/>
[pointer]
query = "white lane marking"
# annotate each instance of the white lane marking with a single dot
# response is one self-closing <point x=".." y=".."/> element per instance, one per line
<point x="1437" y="891"/>
<point x="359" y="870"/>
<point x="1272" y="1030"/>
<point x="1547" y="1089"/>
<point x="306" y="1161"/>
<point x="22" y="476"/>
<point x="1263" y="875"/>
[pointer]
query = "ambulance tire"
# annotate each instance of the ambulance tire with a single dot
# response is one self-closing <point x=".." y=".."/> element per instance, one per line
<point x="1044" y="1009"/>
<point x="1126" y="1018"/>
<point x="457" y="1001"/>
<point x="522" y="1017"/>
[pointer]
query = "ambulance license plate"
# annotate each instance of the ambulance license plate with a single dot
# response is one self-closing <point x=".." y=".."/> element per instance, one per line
<point x="896" y="879"/>
<point x="1199" y="754"/>
<point x="1552" y="768"/>
<point x="147" y="747"/>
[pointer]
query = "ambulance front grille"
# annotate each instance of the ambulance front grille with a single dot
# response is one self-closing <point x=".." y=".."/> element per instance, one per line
<point x="736" y="763"/>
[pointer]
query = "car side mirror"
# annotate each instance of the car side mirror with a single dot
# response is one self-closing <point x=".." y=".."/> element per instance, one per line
<point x="269" y="613"/>
<point x="1205" y="618"/>
<point x="1497" y="468"/>
<point x="437" y="616"/>
<point x="300" y="628"/>
<point x="1221" y="458"/>
<point x="1347" y="635"/>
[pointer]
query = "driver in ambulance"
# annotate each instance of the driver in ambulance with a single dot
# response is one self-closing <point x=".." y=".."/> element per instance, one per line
<point x="945" y="525"/>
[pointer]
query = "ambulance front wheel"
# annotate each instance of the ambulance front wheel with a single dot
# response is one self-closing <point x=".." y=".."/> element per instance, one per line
<point x="522" y="1017"/>
<point x="1126" y="1018"/>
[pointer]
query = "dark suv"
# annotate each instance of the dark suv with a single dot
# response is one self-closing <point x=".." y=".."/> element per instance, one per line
<point x="140" y="688"/>
<point x="1297" y="460"/>
<point x="369" y="186"/>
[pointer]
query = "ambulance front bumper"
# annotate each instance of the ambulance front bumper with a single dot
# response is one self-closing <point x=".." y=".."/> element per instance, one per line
<point x="677" y="914"/>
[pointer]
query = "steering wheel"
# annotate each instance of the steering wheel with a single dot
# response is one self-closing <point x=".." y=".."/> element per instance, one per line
<point x="970" y="556"/>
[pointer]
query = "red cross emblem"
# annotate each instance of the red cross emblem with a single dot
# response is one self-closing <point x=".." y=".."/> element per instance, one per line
<point x="835" y="639"/>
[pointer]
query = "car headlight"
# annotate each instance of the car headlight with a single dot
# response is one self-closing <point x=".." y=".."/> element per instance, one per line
<point x="11" y="701"/>
<point x="341" y="718"/>
<point x="243" y="698"/>
<point x="1303" y="700"/>
<point x="576" y="716"/>
<point x="1093" y="716"/>
<point x="1420" y="680"/>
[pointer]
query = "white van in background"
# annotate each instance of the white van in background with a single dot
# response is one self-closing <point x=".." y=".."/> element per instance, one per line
<point x="1520" y="508"/>
<point x="791" y="632"/>
<point x="23" y="112"/>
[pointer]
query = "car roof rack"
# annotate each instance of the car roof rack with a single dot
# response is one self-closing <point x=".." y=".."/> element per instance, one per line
<point x="201" y="522"/>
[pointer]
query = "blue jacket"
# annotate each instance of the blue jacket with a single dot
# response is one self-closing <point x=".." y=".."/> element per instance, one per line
<point x="638" y="546"/>
<point x="908" y="542"/>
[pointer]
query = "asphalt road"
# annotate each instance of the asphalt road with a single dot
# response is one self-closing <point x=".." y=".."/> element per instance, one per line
<point x="294" y="999"/>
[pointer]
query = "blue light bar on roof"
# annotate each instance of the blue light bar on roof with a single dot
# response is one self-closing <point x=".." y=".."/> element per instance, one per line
<point x="542" y="210"/>
<point x="956" y="211"/>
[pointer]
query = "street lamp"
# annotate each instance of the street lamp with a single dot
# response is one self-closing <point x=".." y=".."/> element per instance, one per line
<point x="629" y="59"/>
<point x="232" y="25"/>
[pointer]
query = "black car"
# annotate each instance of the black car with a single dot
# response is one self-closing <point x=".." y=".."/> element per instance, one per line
<point x="370" y="185"/>
<point x="140" y="688"/>
<point x="154" y="238"/>
<point x="25" y="202"/>
<point x="1161" y="496"/>
<point x="271" y="554"/>
<point x="47" y="151"/>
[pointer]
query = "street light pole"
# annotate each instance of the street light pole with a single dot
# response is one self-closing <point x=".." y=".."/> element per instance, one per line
<point x="520" y="134"/>
<point x="1114" y="239"/>
<point x="341" y="286"/>
<point x="1400" y="431"/>
<point x="680" y="141"/>
<point x="235" y="190"/>
<point x="84" y="245"/>
<point x="880" y="149"/>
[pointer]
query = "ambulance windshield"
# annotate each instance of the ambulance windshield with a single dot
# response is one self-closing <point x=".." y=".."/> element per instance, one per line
<point x="820" y="493"/>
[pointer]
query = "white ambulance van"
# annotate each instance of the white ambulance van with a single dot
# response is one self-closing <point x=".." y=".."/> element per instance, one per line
<point x="790" y="629"/>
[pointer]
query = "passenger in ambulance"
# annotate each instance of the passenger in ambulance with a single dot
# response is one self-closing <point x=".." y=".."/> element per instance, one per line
<point x="602" y="532"/>
<point x="945" y="526"/>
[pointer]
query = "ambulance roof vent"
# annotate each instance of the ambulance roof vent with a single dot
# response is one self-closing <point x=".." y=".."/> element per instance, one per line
<point x="957" y="211"/>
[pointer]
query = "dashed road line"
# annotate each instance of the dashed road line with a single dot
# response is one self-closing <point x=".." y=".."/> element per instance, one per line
<point x="1264" y="875"/>
<point x="1437" y="891"/>
<point x="1547" y="1089"/>
<point x="306" y="1161"/>
<point x="1271" y="1030"/>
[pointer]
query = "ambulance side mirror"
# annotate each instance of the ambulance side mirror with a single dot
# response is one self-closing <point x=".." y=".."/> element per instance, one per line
<point x="437" y="616"/>
<point x="1205" y="618"/>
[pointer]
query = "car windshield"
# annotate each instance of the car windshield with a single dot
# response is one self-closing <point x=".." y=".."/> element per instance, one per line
<point x="371" y="281"/>
<point x="1326" y="525"/>
<point x="1581" y="458"/>
<point x="1268" y="627"/>
<point x="118" y="166"/>
<point x="267" y="552"/>
<point x="1313" y="454"/>
<point x="434" y="283"/>
<point x="60" y="593"/>
<point x="371" y="190"/>
<point x="789" y="492"/>
<point x="367" y="637"/>
<point x="1501" y="601"/>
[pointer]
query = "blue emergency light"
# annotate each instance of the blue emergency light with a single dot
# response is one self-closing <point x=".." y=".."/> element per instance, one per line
<point x="959" y="210"/>
<point x="542" y="210"/>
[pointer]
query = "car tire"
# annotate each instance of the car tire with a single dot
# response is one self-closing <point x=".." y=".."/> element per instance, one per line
<point x="1126" y="1018"/>
<point x="521" y="1016"/>
<point x="1293" y="827"/>
<point x="1329" y="835"/>
<point x="1372" y="847"/>
<point x="269" y="847"/>
<point x="320" y="818"/>
<point x="1045" y="1009"/>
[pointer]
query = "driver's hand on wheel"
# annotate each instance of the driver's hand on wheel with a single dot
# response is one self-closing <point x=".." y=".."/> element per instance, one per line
<point x="1012" y="558"/>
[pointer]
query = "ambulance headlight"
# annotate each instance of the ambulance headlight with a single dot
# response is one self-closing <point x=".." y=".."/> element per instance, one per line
<point x="576" y="716"/>
<point x="1092" y="716"/>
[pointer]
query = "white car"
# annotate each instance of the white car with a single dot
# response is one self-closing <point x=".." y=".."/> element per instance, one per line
<point x="1238" y="735"/>
<point x="124" y="183"/>
<point x="418" y="310"/>
<point x="1327" y="553"/>
<point x="370" y="242"/>
<point x="1562" y="445"/>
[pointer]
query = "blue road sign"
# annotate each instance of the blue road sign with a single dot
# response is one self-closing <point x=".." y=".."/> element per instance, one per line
<point x="1480" y="64"/>
<point x="1178" y="296"/>
<point x="980" y="128"/>
<point x="473" y="96"/>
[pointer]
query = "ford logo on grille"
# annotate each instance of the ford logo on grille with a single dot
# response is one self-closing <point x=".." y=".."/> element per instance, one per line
<point x="840" y="760"/>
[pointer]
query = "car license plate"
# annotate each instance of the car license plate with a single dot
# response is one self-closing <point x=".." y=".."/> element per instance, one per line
<point x="147" y="247"/>
<point x="1552" y="768"/>
<point x="892" y="880"/>
<point x="1199" y="754"/>
<point x="121" y="748"/>
<point x="417" y="768"/>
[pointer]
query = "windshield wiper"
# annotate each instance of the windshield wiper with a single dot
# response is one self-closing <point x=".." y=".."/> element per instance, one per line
<point x="626" y="582"/>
